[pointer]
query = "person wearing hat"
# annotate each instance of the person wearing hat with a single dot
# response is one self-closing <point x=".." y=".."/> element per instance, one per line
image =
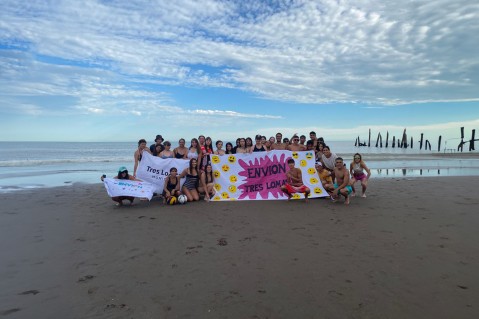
<point x="158" y="142"/>
<point x="324" y="177"/>
<point x="122" y="174"/>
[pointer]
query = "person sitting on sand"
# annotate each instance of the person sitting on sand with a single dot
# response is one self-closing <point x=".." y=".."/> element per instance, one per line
<point x="357" y="168"/>
<point x="294" y="182"/>
<point x="341" y="187"/>
<point x="172" y="185"/>
<point x="207" y="185"/>
<point x="190" y="186"/>
<point x="123" y="174"/>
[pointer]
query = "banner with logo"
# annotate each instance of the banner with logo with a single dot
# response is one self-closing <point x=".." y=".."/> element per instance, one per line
<point x="259" y="176"/>
<point x="126" y="187"/>
<point x="155" y="170"/>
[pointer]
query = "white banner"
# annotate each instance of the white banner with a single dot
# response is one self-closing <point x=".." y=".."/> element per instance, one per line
<point x="259" y="176"/>
<point x="154" y="170"/>
<point x="126" y="187"/>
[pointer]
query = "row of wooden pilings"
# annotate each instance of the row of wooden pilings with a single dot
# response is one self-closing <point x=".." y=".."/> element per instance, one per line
<point x="403" y="142"/>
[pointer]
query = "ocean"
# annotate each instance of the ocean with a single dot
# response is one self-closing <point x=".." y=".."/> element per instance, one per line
<point x="27" y="165"/>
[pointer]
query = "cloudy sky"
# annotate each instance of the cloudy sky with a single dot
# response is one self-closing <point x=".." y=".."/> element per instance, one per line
<point x="123" y="70"/>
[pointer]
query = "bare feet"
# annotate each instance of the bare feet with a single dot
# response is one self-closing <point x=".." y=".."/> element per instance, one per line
<point x="346" y="202"/>
<point x="363" y="195"/>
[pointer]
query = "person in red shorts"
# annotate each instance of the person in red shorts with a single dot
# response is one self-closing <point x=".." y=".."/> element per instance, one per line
<point x="294" y="182"/>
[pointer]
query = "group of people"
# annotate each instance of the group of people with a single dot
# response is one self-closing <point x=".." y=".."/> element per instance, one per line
<point x="336" y="179"/>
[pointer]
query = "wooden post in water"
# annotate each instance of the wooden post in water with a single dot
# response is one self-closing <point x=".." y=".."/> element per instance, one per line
<point x="420" y="141"/>
<point x="439" y="144"/>
<point x="404" y="139"/>
<point x="461" y="144"/>
<point x="394" y="141"/>
<point x="427" y="143"/>
<point x="387" y="138"/>
<point x="369" y="141"/>
<point x="411" y="141"/>
<point x="471" y="143"/>
<point x="379" y="140"/>
<point x="356" y="142"/>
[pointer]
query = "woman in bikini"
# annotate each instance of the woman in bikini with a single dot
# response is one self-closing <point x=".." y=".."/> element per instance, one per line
<point x="190" y="187"/>
<point x="181" y="152"/>
<point x="139" y="153"/>
<point x="357" y="168"/>
<point x="207" y="184"/>
<point x="167" y="152"/>
<point x="172" y="185"/>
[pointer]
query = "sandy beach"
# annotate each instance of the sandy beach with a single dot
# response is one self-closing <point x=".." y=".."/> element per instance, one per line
<point x="408" y="250"/>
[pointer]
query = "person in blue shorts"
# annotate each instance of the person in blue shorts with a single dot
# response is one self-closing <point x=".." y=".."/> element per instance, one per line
<point x="341" y="186"/>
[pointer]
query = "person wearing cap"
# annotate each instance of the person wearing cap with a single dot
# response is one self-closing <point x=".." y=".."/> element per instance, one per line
<point x="158" y="142"/>
<point x="122" y="174"/>
<point x="258" y="147"/>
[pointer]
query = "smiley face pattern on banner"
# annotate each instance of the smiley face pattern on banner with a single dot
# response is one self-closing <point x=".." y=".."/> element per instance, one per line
<point x="259" y="176"/>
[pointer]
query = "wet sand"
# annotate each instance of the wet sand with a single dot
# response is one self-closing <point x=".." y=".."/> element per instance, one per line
<point x="408" y="250"/>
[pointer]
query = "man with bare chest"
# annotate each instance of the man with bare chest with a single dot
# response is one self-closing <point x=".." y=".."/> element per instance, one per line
<point x="294" y="182"/>
<point x="296" y="147"/>
<point x="341" y="187"/>
<point x="278" y="145"/>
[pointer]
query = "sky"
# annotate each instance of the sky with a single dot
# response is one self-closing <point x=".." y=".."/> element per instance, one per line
<point x="124" y="70"/>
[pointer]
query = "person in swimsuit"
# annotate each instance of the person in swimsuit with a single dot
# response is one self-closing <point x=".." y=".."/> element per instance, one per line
<point x="190" y="186"/>
<point x="172" y="185"/>
<point x="194" y="151"/>
<point x="341" y="187"/>
<point x="181" y="152"/>
<point x="258" y="147"/>
<point x="139" y="153"/>
<point x="241" y="149"/>
<point x="229" y="148"/>
<point x="278" y="145"/>
<point x="249" y="144"/>
<point x="207" y="185"/>
<point x="294" y="182"/>
<point x="357" y="168"/>
<point x="295" y="146"/>
<point x="219" y="150"/>
<point x="167" y="153"/>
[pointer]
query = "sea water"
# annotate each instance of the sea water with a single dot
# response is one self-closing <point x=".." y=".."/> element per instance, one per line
<point x="26" y="165"/>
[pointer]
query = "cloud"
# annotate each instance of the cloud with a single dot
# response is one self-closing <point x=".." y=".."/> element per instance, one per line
<point x="215" y="113"/>
<point x="306" y="52"/>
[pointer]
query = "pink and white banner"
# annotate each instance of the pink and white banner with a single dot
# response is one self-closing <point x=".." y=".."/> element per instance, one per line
<point x="259" y="176"/>
<point x="155" y="170"/>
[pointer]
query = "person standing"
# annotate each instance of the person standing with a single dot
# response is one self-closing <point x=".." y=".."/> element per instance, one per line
<point x="139" y="154"/>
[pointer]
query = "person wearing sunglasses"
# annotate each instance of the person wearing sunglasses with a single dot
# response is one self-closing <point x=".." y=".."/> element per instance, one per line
<point x="357" y="168"/>
<point x="295" y="146"/>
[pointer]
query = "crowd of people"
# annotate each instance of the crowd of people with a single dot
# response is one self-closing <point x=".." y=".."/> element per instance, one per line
<point x="336" y="179"/>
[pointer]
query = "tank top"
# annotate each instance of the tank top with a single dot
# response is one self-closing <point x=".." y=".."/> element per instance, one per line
<point x="262" y="149"/>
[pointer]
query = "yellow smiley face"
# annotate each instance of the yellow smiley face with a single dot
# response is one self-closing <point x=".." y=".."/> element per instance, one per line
<point x="311" y="171"/>
<point x="216" y="198"/>
<point x="216" y="174"/>
<point x="303" y="163"/>
<point x="296" y="196"/>
<point x="231" y="159"/>
<point x="217" y="187"/>
<point x="295" y="155"/>
<point x="225" y="195"/>
<point x="318" y="190"/>
<point x="232" y="188"/>
<point x="309" y="155"/>
<point x="215" y="159"/>
<point x="313" y="180"/>
<point x="225" y="168"/>
<point x="233" y="179"/>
